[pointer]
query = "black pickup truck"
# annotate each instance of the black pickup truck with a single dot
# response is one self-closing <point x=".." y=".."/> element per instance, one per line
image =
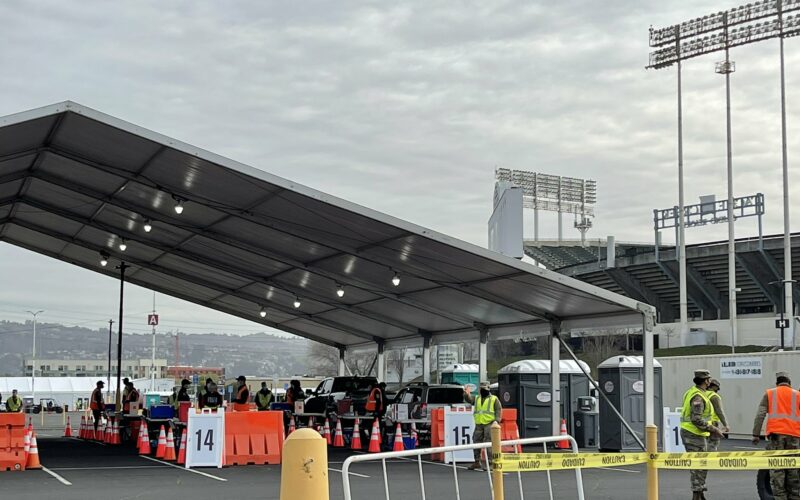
<point x="325" y="399"/>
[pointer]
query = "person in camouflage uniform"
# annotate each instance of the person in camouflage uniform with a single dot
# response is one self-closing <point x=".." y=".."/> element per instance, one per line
<point x="783" y="433"/>
<point x="721" y="422"/>
<point x="696" y="427"/>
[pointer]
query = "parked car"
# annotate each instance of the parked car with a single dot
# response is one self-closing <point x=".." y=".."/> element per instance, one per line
<point x="416" y="401"/>
<point x="352" y="392"/>
<point x="48" y="405"/>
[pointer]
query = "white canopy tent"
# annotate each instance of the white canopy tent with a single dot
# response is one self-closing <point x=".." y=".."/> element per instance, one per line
<point x="75" y="183"/>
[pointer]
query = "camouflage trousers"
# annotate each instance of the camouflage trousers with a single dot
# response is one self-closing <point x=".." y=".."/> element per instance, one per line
<point x="694" y="443"/>
<point x="785" y="482"/>
<point x="712" y="443"/>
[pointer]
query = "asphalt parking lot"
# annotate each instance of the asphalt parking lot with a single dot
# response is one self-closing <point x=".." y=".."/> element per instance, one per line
<point x="80" y="470"/>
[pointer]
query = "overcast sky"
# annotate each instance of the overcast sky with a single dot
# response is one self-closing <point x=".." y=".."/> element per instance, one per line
<point x="404" y="107"/>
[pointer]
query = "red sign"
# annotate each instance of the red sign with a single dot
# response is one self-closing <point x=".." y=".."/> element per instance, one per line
<point x="152" y="320"/>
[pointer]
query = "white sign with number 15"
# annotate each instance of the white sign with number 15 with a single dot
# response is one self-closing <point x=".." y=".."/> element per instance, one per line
<point x="205" y="439"/>
<point x="459" y="425"/>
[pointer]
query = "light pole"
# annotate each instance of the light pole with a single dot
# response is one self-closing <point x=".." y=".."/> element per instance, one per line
<point x="108" y="376"/>
<point x="783" y="326"/>
<point x="33" y="356"/>
<point x="118" y="399"/>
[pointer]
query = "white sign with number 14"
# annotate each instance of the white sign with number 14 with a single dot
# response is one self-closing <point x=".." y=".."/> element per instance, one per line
<point x="205" y="439"/>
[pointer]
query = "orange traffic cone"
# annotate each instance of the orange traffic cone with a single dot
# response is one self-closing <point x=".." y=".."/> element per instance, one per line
<point x="68" y="429"/>
<point x="169" y="455"/>
<point x="292" y="426"/>
<point x="161" y="450"/>
<point x="33" y="456"/>
<point x="182" y="449"/>
<point x="338" y="440"/>
<point x="144" y="443"/>
<point x="327" y="432"/>
<point x="107" y="432"/>
<point x="355" y="441"/>
<point x="564" y="443"/>
<point x="374" y="438"/>
<point x="398" y="439"/>
<point x="27" y="441"/>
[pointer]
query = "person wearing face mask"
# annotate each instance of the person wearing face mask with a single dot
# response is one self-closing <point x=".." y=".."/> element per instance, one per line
<point x="486" y="410"/>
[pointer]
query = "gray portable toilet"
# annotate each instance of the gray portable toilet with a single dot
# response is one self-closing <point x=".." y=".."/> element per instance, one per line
<point x="621" y="378"/>
<point x="525" y="385"/>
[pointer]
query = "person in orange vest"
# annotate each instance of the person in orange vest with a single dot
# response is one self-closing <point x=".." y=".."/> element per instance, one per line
<point x="242" y="399"/>
<point x="294" y="393"/>
<point x="96" y="403"/>
<point x="780" y="405"/>
<point x="375" y="401"/>
<point x="132" y="397"/>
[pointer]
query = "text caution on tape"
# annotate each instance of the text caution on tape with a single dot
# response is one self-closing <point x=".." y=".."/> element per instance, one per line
<point x="526" y="462"/>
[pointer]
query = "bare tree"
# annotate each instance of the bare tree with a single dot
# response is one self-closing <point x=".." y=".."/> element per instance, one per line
<point x="325" y="360"/>
<point x="597" y="349"/>
<point x="397" y="361"/>
<point x="668" y="332"/>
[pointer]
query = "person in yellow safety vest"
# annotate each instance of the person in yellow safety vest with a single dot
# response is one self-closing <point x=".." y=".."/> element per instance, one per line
<point x="14" y="403"/>
<point x="720" y="421"/>
<point x="780" y="405"/>
<point x="212" y="399"/>
<point x="697" y="416"/>
<point x="486" y="410"/>
<point x="263" y="398"/>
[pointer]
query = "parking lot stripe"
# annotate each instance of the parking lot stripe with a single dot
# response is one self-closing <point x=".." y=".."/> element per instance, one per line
<point x="111" y="467"/>
<point x="184" y="468"/>
<point x="61" y="479"/>
<point x="351" y="473"/>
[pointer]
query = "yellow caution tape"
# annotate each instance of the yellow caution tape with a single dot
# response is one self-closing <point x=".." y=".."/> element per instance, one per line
<point x="525" y="462"/>
<point x="734" y="460"/>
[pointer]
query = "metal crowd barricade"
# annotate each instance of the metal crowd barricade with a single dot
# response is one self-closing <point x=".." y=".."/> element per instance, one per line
<point x="418" y="454"/>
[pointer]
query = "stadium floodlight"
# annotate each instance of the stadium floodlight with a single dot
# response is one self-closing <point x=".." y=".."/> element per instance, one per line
<point x="554" y="193"/>
<point x="754" y="22"/>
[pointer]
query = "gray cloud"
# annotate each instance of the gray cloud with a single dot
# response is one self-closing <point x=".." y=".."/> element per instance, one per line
<point x="405" y="108"/>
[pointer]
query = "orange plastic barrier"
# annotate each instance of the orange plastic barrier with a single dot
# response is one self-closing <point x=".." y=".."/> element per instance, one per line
<point x="437" y="433"/>
<point x="241" y="407"/>
<point x="253" y="437"/>
<point x="509" y="429"/>
<point x="12" y="441"/>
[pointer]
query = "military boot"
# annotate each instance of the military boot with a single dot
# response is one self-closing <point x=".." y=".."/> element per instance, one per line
<point x="475" y="466"/>
<point x="697" y="495"/>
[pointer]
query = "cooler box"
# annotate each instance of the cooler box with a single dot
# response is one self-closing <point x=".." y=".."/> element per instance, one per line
<point x="151" y="400"/>
<point x="162" y="411"/>
<point x="183" y="411"/>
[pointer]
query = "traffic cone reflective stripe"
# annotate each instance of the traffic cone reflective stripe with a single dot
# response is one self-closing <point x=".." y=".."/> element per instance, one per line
<point x="327" y="432"/>
<point x="115" y="437"/>
<point x="338" y="441"/>
<point x="27" y="442"/>
<point x="564" y="443"/>
<point x="398" y="439"/>
<point x="33" y="456"/>
<point x="169" y="455"/>
<point x="374" y="438"/>
<point x="144" y="447"/>
<point x="68" y="429"/>
<point x="161" y="450"/>
<point x="182" y="449"/>
<point x="355" y="441"/>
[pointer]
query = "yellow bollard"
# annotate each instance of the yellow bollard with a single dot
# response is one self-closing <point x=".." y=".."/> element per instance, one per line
<point x="651" y="432"/>
<point x="497" y="474"/>
<point x="304" y="466"/>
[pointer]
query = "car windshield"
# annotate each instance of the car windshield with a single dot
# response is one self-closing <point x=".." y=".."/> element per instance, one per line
<point x="352" y="384"/>
<point x="445" y="395"/>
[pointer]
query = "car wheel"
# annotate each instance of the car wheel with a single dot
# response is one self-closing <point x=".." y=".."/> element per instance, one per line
<point x="763" y="485"/>
<point x="36" y="411"/>
<point x="59" y="411"/>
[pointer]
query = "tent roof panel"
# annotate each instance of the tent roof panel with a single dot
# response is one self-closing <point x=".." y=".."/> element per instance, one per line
<point x="248" y="239"/>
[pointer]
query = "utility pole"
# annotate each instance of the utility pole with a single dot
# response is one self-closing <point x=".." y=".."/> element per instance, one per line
<point x="108" y="377"/>
<point x="153" y="361"/>
<point x="33" y="356"/>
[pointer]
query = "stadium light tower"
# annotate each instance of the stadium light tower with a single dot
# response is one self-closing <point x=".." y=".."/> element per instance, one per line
<point x="555" y="193"/>
<point x="742" y="25"/>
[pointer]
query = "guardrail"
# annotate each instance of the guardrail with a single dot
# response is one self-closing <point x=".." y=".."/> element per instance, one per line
<point x="383" y="457"/>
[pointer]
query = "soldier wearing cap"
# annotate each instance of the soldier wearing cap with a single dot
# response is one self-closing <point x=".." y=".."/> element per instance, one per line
<point x="783" y="432"/>
<point x="720" y="421"/>
<point x="486" y="411"/>
<point x="697" y="416"/>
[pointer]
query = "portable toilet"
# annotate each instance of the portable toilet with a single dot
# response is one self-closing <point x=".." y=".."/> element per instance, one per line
<point x="525" y="385"/>
<point x="461" y="374"/>
<point x="621" y="378"/>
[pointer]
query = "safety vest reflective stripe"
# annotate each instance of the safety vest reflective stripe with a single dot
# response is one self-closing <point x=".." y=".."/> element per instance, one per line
<point x="686" y="412"/>
<point x="774" y="411"/>
<point x="484" y="410"/>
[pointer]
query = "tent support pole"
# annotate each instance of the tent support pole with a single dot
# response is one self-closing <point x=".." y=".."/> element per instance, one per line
<point x="426" y="358"/>
<point x="342" y="352"/>
<point x="483" y="344"/>
<point x="555" y="377"/>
